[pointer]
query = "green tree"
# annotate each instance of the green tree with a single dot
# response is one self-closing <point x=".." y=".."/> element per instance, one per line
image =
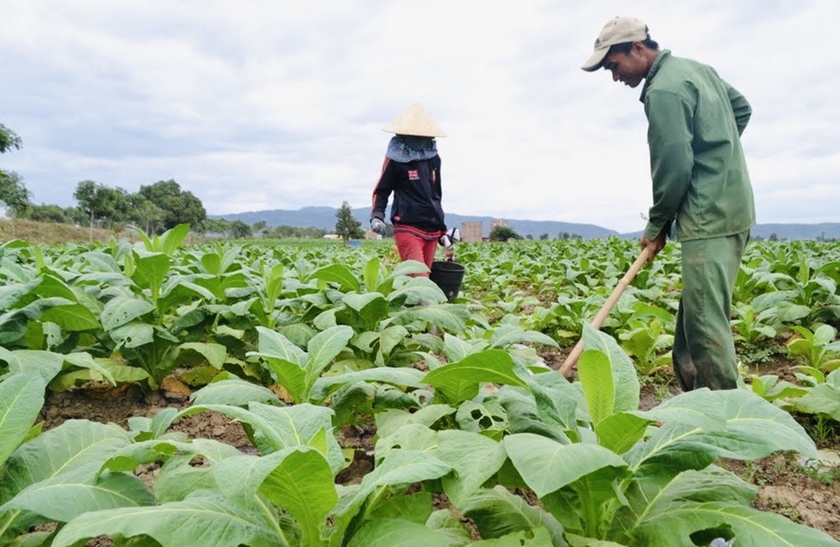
<point x="8" y="140"/>
<point x="260" y="228"/>
<point x="145" y="214"/>
<point x="346" y="226"/>
<point x="48" y="213"/>
<point x="239" y="229"/>
<point x="103" y="205"/>
<point x="503" y="233"/>
<point x="13" y="193"/>
<point x="178" y="206"/>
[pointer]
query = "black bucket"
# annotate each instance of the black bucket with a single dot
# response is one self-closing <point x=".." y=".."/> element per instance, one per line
<point x="448" y="276"/>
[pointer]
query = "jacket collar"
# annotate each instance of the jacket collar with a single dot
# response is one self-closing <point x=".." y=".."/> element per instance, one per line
<point x="654" y="68"/>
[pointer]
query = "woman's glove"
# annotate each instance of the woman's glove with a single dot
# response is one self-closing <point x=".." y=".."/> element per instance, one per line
<point x="377" y="226"/>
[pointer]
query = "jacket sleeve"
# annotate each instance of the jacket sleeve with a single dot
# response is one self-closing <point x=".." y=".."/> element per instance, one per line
<point x="670" y="134"/>
<point x="740" y="107"/>
<point x="382" y="191"/>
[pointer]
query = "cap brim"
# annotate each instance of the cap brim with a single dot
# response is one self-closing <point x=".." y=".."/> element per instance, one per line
<point x="596" y="60"/>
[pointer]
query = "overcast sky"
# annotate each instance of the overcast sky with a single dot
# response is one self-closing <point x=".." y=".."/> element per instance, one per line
<point x="279" y="104"/>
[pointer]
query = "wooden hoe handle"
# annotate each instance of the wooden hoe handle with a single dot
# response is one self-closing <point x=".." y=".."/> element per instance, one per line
<point x="571" y="360"/>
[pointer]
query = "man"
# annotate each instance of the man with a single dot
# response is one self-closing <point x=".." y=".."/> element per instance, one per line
<point x="411" y="171"/>
<point x="700" y="180"/>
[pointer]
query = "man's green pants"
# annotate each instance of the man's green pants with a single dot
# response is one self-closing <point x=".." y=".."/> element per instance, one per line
<point x="704" y="351"/>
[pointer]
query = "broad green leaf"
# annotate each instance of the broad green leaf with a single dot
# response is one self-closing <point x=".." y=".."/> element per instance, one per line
<point x="672" y="527"/>
<point x="392" y="337"/>
<point x="172" y="238"/>
<point x="134" y="335"/>
<point x="119" y="372"/>
<point x="821" y="399"/>
<point x="215" y="354"/>
<point x="414" y="436"/>
<point x="408" y="377"/>
<point x="122" y="310"/>
<point x="696" y="407"/>
<point x="179" y="477"/>
<point x="447" y="317"/>
<point x="487" y="417"/>
<point x="276" y="428"/>
<point x="159" y="423"/>
<point x="11" y="293"/>
<point x="397" y="533"/>
<point x="233" y="392"/>
<point x="34" y="539"/>
<point x="457" y="349"/>
<point x="21" y="399"/>
<point x="202" y="519"/>
<point x="414" y="507"/>
<point x="274" y="344"/>
<point x="557" y="401"/>
<point x="447" y="522"/>
<point x="620" y="431"/>
<point x="595" y="373"/>
<point x="754" y="429"/>
<point x="73" y="444"/>
<point x="73" y="317"/>
<point x="301" y="425"/>
<point x="460" y="381"/>
<point x="212" y="263"/>
<point x="64" y="496"/>
<point x="506" y="335"/>
<point x="337" y="273"/>
<point x="303" y="486"/>
<point x="298" y="334"/>
<point x="285" y="361"/>
<point x="579" y="541"/>
<point x="498" y="512"/>
<point x="297" y="480"/>
<point x="289" y="375"/>
<point x="390" y="421"/>
<point x="408" y="267"/>
<point x="538" y="537"/>
<point x="624" y="374"/>
<point x="324" y="346"/>
<point x="371" y="274"/>
<point x="45" y="363"/>
<point x="400" y="468"/>
<point x="152" y="269"/>
<point x="370" y="306"/>
<point x="547" y="466"/>
<point x="538" y="412"/>
<point x="85" y="361"/>
<point x="824" y="334"/>
<point x="475" y="459"/>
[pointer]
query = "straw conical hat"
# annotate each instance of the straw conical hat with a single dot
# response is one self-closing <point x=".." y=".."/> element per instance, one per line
<point x="415" y="121"/>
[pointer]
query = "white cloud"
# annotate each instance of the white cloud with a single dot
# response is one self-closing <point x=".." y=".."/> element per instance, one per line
<point x="261" y="104"/>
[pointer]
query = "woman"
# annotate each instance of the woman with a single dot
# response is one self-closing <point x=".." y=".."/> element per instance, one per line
<point x="411" y="172"/>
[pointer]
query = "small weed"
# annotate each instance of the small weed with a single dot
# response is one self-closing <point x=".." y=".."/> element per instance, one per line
<point x="817" y="475"/>
<point x="755" y="353"/>
<point x="820" y="427"/>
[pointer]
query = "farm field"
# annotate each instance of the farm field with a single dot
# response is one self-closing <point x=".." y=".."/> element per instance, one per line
<point x="161" y="392"/>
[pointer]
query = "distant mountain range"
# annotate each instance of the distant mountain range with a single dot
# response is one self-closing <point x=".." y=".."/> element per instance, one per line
<point x="324" y="218"/>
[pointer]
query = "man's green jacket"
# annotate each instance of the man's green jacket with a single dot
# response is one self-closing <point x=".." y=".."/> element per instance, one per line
<point x="699" y="173"/>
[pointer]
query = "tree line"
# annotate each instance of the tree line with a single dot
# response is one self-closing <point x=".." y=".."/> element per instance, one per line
<point x="155" y="208"/>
